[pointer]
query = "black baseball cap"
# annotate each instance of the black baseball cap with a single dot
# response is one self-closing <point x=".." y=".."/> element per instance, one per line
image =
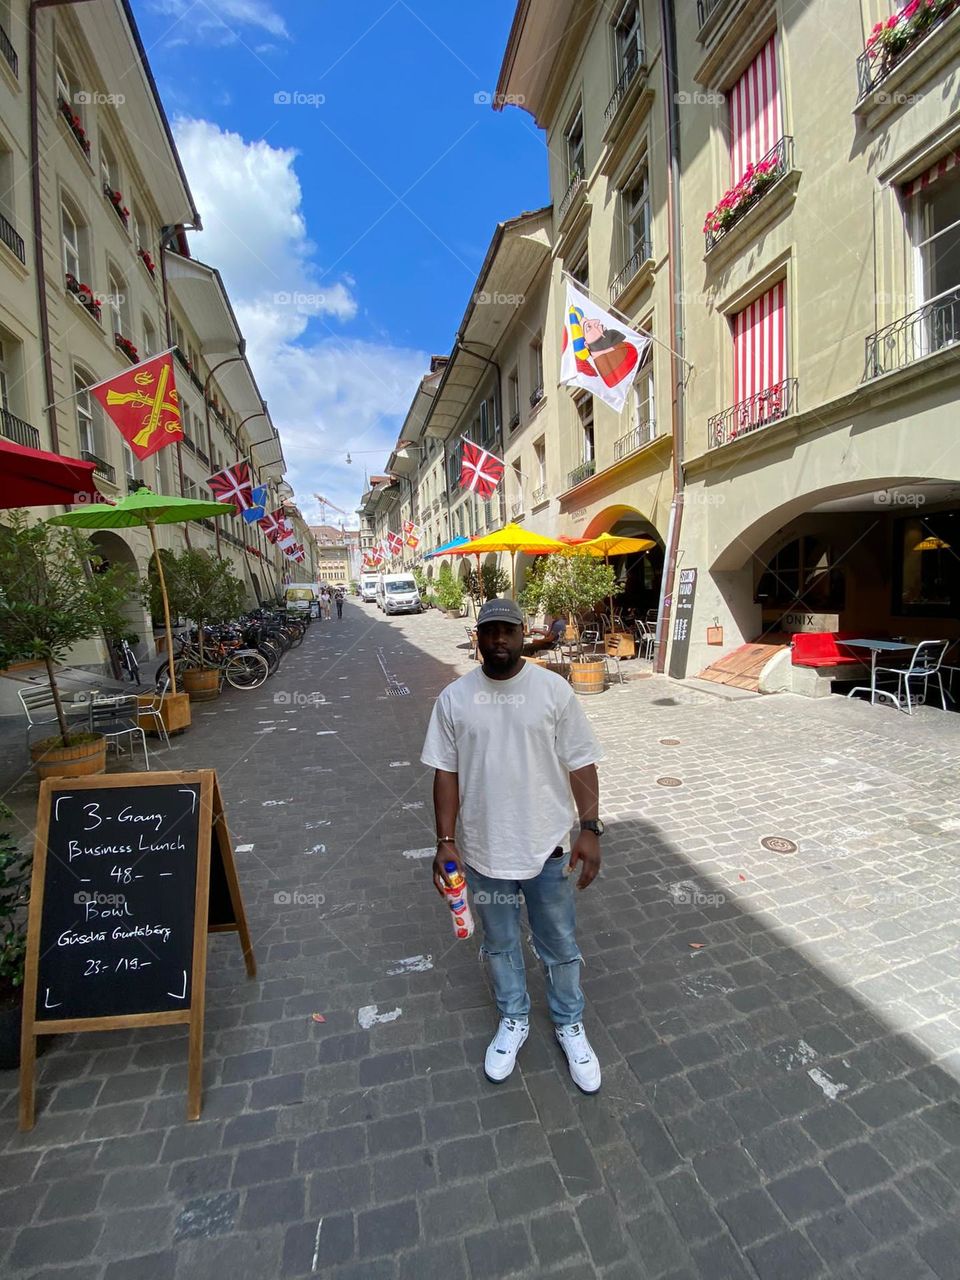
<point x="500" y="610"/>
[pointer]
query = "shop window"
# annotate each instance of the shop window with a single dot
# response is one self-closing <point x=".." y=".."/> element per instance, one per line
<point x="802" y="575"/>
<point x="926" y="570"/>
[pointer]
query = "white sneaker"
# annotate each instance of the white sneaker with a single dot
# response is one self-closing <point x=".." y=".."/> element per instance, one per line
<point x="503" y="1049"/>
<point x="584" y="1063"/>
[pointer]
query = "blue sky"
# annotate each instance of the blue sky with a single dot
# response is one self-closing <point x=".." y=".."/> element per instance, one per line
<point x="350" y="173"/>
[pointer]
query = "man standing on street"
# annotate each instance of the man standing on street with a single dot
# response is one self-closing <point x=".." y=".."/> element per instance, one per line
<point x="339" y="599"/>
<point x="515" y="763"/>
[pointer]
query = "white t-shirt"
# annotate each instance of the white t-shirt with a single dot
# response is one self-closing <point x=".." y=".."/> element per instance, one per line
<point x="512" y="744"/>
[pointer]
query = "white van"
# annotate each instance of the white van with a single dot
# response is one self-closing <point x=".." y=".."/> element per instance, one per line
<point x="397" y="593"/>
<point x="368" y="587"/>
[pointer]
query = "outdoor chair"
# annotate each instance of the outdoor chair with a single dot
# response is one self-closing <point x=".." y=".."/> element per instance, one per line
<point x="40" y="710"/>
<point x="646" y="638"/>
<point x="116" y="717"/>
<point x="473" y="642"/>
<point x="924" y="665"/>
<point x="154" y="709"/>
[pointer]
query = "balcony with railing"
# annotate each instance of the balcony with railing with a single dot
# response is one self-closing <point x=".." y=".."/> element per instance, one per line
<point x="11" y="239"/>
<point x="18" y="431"/>
<point x="581" y="473"/>
<point x="539" y="495"/>
<point x="633" y="62"/>
<point x="635" y="439"/>
<point x="752" y="188"/>
<point x="931" y="328"/>
<point x="643" y="253"/>
<point x="9" y="52"/>
<point x="514" y="422"/>
<point x="201" y="456"/>
<point x="894" y="38"/>
<point x="571" y="197"/>
<point x="536" y="395"/>
<point x="516" y="508"/>
<point x="100" y="468"/>
<point x="755" y="413"/>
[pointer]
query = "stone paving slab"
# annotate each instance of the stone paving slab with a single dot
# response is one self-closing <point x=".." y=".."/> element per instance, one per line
<point x="778" y="1030"/>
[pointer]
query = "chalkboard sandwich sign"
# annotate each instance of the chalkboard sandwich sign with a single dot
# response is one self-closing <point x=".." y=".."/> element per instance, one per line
<point x="130" y="874"/>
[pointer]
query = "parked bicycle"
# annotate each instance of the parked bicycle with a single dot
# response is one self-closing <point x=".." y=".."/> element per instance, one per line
<point x="129" y="665"/>
<point x="241" y="667"/>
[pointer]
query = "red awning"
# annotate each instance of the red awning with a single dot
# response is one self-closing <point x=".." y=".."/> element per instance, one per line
<point x="929" y="176"/>
<point x="33" y="478"/>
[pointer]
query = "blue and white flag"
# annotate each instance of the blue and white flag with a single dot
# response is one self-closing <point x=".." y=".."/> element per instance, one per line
<point x="258" y="509"/>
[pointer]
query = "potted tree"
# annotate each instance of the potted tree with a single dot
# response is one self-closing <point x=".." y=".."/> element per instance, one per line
<point x="207" y="591"/>
<point x="491" y="581"/>
<point x="14" y="890"/>
<point x="53" y="594"/>
<point x="450" y="592"/>
<point x="570" y="583"/>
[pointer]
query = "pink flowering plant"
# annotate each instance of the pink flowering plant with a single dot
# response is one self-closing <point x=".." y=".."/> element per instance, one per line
<point x="751" y="186"/>
<point x="890" y="37"/>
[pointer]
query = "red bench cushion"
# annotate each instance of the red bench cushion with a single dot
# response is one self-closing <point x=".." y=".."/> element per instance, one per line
<point x="821" y="649"/>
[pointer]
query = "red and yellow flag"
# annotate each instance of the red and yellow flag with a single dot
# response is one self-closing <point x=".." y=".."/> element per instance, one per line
<point x="143" y="405"/>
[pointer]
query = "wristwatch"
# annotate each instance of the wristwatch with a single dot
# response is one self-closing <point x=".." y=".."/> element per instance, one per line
<point x="596" y="827"/>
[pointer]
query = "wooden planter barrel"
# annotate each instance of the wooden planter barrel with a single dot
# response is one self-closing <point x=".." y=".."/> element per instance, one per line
<point x="587" y="676"/>
<point x="69" y="762"/>
<point x="202" y="684"/>
<point x="174" y="712"/>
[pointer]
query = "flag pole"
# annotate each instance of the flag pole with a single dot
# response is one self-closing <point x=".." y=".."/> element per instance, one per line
<point x="103" y="381"/>
<point x="620" y="316"/>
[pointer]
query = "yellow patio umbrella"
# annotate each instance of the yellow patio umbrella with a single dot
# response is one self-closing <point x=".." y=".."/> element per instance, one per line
<point x="607" y="545"/>
<point x="513" y="538"/>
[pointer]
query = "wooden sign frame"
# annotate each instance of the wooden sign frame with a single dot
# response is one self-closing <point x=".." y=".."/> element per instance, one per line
<point x="212" y="818"/>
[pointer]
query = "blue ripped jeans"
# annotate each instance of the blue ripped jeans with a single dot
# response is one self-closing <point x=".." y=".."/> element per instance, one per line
<point x="552" y="916"/>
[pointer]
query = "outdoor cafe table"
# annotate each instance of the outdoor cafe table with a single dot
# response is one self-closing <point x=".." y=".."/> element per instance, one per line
<point x="876" y="647"/>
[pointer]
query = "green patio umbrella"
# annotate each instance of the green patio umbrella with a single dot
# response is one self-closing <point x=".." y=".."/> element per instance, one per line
<point x="146" y="508"/>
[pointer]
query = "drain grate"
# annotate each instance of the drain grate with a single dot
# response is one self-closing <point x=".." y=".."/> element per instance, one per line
<point x="398" y="691"/>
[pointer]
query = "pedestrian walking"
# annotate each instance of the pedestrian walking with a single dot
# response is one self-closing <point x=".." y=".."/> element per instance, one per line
<point x="339" y="600"/>
<point x="515" y="765"/>
<point x="325" y="601"/>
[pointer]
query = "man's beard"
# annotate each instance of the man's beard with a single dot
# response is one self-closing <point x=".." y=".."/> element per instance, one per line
<point x="494" y="662"/>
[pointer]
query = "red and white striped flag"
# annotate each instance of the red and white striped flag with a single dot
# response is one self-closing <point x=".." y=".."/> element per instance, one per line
<point x="275" y="525"/>
<point x="480" y="471"/>
<point x="233" y="484"/>
<point x="395" y="543"/>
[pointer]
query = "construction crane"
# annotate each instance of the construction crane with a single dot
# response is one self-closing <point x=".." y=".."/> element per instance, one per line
<point x="324" y="503"/>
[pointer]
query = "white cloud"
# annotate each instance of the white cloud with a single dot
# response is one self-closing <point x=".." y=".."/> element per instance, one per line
<point x="327" y="393"/>
<point x="222" y="20"/>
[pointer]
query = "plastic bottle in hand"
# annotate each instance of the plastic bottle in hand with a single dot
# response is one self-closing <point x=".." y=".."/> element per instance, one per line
<point x="456" y="893"/>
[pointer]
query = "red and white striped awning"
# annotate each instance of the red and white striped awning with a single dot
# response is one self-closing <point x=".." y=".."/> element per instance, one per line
<point x="929" y="176"/>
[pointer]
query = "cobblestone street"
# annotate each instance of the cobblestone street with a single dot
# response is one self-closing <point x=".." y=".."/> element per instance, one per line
<point x="779" y="1029"/>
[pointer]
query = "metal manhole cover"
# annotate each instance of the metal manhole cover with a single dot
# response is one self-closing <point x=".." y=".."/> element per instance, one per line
<point x="669" y="782"/>
<point x="669" y="742"/>
<point x="778" y="844"/>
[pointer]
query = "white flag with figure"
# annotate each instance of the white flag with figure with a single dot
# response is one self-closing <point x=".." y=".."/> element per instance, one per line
<point x="598" y="352"/>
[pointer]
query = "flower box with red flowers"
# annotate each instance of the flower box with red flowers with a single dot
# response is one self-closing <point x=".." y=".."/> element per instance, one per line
<point x="116" y="199"/>
<point x="147" y="261"/>
<point x="126" y="346"/>
<point x="75" y="124"/>
<point x="893" y="36"/>
<point x="757" y="178"/>
<point x="84" y="295"/>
